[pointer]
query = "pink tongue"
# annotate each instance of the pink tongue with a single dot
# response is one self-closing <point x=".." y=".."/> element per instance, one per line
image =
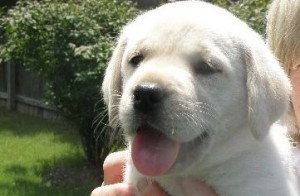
<point x="153" y="153"/>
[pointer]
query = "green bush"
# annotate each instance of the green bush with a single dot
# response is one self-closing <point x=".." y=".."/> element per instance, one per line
<point x="69" y="45"/>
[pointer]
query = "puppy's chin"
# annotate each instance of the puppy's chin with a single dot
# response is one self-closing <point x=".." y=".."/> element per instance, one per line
<point x="155" y="154"/>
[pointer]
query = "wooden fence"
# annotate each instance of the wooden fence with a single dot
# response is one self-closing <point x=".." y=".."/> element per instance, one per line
<point x="22" y="91"/>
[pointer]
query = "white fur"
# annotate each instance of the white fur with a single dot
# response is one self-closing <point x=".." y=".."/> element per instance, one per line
<point x="246" y="152"/>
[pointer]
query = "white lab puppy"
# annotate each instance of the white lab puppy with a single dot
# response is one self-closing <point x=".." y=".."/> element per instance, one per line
<point x="197" y="94"/>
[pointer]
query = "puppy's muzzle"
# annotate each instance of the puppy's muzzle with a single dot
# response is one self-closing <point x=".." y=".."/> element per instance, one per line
<point x="148" y="97"/>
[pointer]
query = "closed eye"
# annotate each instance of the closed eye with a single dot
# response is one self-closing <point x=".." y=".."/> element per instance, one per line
<point x="136" y="60"/>
<point x="205" y="67"/>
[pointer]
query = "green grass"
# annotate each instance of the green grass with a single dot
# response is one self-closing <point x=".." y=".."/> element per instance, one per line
<point x="30" y="148"/>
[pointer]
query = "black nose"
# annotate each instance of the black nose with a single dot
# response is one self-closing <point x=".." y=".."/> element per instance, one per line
<point x="148" y="96"/>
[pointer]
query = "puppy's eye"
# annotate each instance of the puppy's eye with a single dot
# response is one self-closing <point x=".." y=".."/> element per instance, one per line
<point x="136" y="60"/>
<point x="205" y="68"/>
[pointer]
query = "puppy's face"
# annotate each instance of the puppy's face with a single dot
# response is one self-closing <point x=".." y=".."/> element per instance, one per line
<point x="183" y="84"/>
<point x="183" y="81"/>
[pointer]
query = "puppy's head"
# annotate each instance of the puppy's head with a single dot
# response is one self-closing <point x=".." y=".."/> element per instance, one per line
<point x="180" y="78"/>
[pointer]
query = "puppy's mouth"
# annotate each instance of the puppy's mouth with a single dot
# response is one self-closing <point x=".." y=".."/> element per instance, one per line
<point x="154" y="153"/>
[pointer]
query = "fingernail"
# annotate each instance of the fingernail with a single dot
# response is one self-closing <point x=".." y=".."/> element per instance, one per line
<point x="194" y="187"/>
<point x="142" y="184"/>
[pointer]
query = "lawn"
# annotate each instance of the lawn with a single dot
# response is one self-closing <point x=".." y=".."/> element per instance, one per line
<point x="38" y="157"/>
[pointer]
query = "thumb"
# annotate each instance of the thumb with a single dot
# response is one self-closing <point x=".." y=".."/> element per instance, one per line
<point x="194" y="187"/>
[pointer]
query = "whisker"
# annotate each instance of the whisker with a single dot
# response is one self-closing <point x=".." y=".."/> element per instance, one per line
<point x="191" y="112"/>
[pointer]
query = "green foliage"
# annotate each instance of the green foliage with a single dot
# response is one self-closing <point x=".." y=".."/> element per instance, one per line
<point x="251" y="11"/>
<point x="69" y="45"/>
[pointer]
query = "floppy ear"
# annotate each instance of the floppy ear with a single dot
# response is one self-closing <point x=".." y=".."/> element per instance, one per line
<point x="268" y="89"/>
<point x="112" y="83"/>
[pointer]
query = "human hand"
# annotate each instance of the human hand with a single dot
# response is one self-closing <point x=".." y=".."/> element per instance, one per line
<point x="113" y="185"/>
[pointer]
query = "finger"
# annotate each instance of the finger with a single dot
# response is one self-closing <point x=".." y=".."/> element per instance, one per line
<point x="195" y="187"/>
<point x="113" y="167"/>
<point x="154" y="189"/>
<point x="120" y="189"/>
